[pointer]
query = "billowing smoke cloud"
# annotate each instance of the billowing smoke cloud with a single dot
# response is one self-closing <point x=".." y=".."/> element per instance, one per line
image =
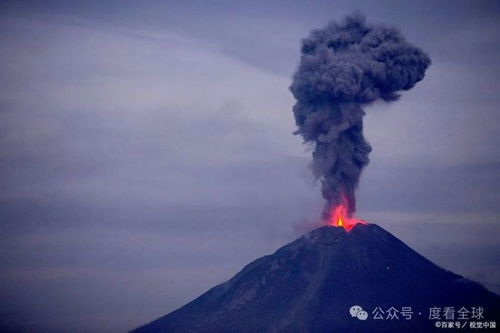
<point x="343" y="67"/>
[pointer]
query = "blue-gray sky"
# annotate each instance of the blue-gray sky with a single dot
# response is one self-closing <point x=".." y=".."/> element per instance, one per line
<point x="146" y="149"/>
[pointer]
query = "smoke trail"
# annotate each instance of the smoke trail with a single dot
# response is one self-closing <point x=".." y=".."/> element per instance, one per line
<point x="342" y="68"/>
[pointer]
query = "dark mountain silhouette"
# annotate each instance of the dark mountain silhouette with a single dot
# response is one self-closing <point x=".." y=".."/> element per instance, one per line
<point x="310" y="284"/>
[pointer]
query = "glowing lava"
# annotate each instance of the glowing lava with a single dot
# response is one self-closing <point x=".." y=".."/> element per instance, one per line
<point x="340" y="218"/>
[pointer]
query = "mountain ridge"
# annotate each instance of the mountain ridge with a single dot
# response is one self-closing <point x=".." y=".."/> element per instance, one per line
<point x="309" y="285"/>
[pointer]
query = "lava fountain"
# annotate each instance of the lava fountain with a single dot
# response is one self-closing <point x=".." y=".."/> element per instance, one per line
<point x="340" y="217"/>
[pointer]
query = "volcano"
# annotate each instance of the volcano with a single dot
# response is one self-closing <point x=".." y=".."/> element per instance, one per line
<point x="334" y="280"/>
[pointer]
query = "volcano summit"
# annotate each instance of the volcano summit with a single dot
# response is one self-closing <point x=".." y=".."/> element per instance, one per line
<point x="311" y="285"/>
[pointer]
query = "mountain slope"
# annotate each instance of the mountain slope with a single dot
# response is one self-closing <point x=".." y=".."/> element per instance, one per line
<point x="310" y="284"/>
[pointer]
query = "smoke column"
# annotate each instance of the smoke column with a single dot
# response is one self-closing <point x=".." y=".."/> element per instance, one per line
<point x="344" y="67"/>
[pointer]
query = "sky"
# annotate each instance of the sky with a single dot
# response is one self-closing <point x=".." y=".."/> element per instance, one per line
<point x="147" y="154"/>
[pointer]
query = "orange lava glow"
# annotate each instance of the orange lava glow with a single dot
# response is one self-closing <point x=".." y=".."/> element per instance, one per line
<point x="340" y="218"/>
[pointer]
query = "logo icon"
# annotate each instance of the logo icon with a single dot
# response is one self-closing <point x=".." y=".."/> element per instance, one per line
<point x="358" y="312"/>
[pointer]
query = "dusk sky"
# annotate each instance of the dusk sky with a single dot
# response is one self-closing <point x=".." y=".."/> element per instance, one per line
<point x="147" y="149"/>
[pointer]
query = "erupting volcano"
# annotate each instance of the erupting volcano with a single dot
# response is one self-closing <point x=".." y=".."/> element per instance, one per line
<point x="311" y="284"/>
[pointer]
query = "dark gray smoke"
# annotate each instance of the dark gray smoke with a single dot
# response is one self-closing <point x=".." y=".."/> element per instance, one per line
<point x="342" y="68"/>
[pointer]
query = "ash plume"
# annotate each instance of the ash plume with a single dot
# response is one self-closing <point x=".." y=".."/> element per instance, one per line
<point x="344" y="67"/>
